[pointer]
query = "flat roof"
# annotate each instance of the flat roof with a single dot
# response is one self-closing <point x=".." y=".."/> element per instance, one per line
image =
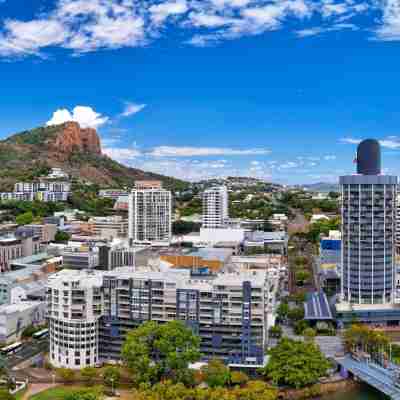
<point x="317" y="307"/>
<point x="211" y="253"/>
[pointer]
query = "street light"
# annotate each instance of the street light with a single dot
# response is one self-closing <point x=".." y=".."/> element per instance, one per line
<point x="112" y="385"/>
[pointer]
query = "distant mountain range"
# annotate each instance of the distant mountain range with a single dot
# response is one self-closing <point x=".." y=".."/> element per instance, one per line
<point x="26" y="155"/>
<point x="320" y="187"/>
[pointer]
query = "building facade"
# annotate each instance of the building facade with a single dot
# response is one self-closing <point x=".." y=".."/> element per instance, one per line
<point x="227" y="312"/>
<point x="215" y="207"/>
<point x="74" y="307"/>
<point x="368" y="234"/>
<point x="109" y="227"/>
<point x="150" y="213"/>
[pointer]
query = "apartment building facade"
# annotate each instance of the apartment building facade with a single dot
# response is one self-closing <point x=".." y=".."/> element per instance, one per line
<point x="16" y="245"/>
<point x="109" y="227"/>
<point x="47" y="191"/>
<point x="215" y="207"/>
<point x="227" y="312"/>
<point x="74" y="307"/>
<point x="150" y="213"/>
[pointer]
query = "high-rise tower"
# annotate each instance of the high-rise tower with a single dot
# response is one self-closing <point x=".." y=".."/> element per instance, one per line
<point x="215" y="207"/>
<point x="150" y="213"/>
<point x="368" y="230"/>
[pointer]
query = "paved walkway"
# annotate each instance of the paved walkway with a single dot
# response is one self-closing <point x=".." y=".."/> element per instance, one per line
<point x="35" y="388"/>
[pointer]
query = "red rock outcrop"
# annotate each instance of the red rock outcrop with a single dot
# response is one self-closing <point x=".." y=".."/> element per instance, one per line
<point x="72" y="138"/>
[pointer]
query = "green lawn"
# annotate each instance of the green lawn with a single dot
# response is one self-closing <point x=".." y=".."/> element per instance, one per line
<point x="58" y="393"/>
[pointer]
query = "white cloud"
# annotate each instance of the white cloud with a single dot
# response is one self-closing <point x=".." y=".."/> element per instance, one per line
<point x="389" y="28"/>
<point x="288" y="165"/>
<point x="30" y="37"/>
<point x="390" y="142"/>
<point x="131" y="109"/>
<point x="121" y="154"/>
<point x="329" y="157"/>
<point x="334" y="9"/>
<point x="325" y="29"/>
<point x="350" y="140"/>
<point x="85" y="116"/>
<point x="89" y="25"/>
<point x="160" y="12"/>
<point x="173" y="151"/>
<point x="209" y="20"/>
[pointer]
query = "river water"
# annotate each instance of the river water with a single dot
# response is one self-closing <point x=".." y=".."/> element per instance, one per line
<point x="363" y="393"/>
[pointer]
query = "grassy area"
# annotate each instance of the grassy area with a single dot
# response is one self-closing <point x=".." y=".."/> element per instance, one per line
<point x="58" y="393"/>
<point x="20" y="394"/>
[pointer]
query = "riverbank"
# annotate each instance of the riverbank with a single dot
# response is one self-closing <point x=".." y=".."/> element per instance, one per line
<point x="319" y="389"/>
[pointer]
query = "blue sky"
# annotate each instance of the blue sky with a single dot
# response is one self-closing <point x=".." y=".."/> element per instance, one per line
<point x="280" y="90"/>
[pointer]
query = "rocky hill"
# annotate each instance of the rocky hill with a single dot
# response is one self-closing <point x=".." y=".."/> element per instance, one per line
<point x="28" y="154"/>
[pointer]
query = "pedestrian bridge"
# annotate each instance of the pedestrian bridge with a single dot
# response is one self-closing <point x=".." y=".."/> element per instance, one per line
<point x="382" y="379"/>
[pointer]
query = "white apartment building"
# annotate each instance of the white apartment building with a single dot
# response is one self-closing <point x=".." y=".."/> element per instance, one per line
<point x="398" y="223"/>
<point x="74" y="306"/>
<point x="150" y="213"/>
<point x="109" y="227"/>
<point x="215" y="207"/>
<point x="47" y="191"/>
<point x="90" y="313"/>
<point x="57" y="173"/>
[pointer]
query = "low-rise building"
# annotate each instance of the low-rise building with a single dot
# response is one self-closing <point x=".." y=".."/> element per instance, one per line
<point x="46" y="232"/>
<point x="82" y="257"/>
<point x="109" y="227"/>
<point x="42" y="190"/>
<point x="113" y="256"/>
<point x="22" y="243"/>
<point x="270" y="242"/>
<point x="202" y="261"/>
<point x="14" y="318"/>
<point x="113" y="193"/>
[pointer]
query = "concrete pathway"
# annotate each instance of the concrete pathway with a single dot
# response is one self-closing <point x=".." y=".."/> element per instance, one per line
<point x="35" y="388"/>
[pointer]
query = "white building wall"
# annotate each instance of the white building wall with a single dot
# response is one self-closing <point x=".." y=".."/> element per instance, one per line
<point x="215" y="207"/>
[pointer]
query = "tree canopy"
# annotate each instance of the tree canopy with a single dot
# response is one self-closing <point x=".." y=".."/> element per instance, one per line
<point x="253" y="390"/>
<point x="296" y="363"/>
<point x="158" y="351"/>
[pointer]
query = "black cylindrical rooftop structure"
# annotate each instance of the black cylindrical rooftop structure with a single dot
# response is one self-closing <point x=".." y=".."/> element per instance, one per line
<point x="369" y="157"/>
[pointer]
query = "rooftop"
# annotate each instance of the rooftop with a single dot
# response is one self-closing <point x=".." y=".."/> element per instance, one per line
<point x="317" y="307"/>
<point x="18" y="307"/>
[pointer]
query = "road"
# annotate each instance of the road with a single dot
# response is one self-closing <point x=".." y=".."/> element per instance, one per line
<point x="28" y="350"/>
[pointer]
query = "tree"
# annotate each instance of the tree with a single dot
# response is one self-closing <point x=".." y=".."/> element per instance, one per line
<point x="275" y="331"/>
<point x="184" y="227"/>
<point x="256" y="390"/>
<point x="283" y="310"/>
<point x="6" y="395"/>
<point x="216" y="373"/>
<point x="238" y="378"/>
<point x="62" y="237"/>
<point x="296" y="363"/>
<point x="111" y="376"/>
<point x="154" y="351"/>
<point x="25" y="218"/>
<point x="309" y="334"/>
<point x="300" y="326"/>
<point x="302" y="276"/>
<point x="296" y="314"/>
<point x="66" y="374"/>
<point x="89" y="375"/>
